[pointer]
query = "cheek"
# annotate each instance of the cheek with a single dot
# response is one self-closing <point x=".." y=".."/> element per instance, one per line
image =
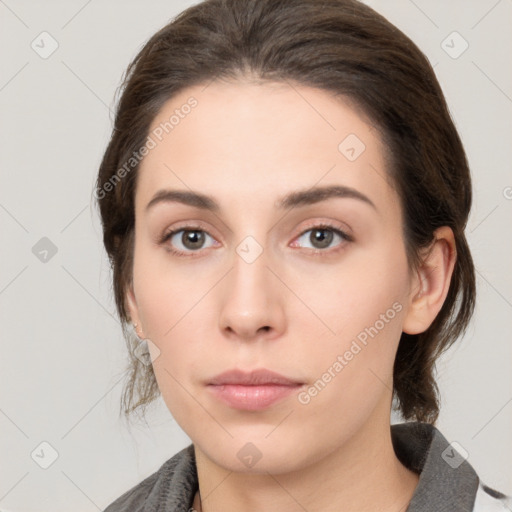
<point x="363" y="304"/>
<point x="354" y="294"/>
<point x="171" y="303"/>
<point x="164" y="295"/>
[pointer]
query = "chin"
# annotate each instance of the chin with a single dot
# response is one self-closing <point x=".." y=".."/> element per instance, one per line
<point x="259" y="454"/>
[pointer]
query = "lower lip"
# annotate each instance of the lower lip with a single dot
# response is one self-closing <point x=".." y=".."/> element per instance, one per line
<point x="252" y="398"/>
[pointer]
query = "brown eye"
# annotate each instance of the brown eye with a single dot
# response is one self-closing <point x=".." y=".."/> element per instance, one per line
<point x="185" y="241"/>
<point x="322" y="237"/>
<point x="192" y="239"/>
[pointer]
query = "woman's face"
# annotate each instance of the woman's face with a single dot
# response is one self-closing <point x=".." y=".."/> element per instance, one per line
<point x="276" y="275"/>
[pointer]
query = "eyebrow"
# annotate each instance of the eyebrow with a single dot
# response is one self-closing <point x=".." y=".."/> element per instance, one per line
<point x="294" y="199"/>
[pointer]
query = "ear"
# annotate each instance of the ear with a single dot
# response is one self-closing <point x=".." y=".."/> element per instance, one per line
<point x="133" y="310"/>
<point x="432" y="282"/>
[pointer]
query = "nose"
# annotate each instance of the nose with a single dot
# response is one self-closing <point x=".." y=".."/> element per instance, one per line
<point x="252" y="304"/>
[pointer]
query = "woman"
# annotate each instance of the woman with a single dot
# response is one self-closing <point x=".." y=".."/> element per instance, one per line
<point x="283" y="200"/>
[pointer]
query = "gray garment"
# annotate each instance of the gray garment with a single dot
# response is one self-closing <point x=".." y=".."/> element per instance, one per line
<point x="447" y="482"/>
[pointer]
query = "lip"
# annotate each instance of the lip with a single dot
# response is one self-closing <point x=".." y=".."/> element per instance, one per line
<point x="252" y="391"/>
<point x="252" y="378"/>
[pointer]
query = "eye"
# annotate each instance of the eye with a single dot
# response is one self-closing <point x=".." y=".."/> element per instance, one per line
<point x="185" y="240"/>
<point x="322" y="236"/>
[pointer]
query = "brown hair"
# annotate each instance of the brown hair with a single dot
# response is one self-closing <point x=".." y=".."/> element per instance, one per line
<point x="347" y="49"/>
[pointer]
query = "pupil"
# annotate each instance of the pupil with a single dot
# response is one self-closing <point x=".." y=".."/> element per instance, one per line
<point x="322" y="238"/>
<point x="192" y="239"/>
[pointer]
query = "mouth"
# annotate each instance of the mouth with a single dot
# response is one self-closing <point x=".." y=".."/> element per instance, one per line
<point x="252" y="391"/>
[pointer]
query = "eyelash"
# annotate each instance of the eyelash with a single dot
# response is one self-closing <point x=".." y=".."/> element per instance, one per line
<point x="322" y="226"/>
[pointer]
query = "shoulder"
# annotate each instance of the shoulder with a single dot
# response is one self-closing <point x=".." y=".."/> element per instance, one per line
<point x="135" y="498"/>
<point x="447" y="481"/>
<point x="171" y="487"/>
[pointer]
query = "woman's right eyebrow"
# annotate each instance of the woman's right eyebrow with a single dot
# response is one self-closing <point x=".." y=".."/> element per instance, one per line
<point x="190" y="198"/>
<point x="291" y="200"/>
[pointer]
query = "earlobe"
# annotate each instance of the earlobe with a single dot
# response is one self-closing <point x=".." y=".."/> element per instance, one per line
<point x="133" y="311"/>
<point x="430" y="288"/>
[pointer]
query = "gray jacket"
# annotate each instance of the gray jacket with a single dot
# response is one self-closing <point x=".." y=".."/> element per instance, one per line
<point x="447" y="481"/>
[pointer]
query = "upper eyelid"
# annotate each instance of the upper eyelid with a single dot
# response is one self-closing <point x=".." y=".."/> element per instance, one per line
<point x="192" y="226"/>
<point x="198" y="227"/>
<point x="332" y="225"/>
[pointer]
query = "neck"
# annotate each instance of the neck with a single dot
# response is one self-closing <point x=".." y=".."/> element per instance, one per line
<point x="363" y="474"/>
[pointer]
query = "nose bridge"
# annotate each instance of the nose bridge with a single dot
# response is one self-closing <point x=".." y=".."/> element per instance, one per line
<point x="249" y="278"/>
<point x="251" y="253"/>
<point x="250" y="299"/>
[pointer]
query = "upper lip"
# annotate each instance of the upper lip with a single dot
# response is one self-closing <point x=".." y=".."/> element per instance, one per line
<point x="252" y="378"/>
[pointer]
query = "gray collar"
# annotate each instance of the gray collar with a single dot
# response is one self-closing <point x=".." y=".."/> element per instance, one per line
<point x="447" y="481"/>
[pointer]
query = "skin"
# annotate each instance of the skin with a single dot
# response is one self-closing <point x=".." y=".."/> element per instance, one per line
<point x="247" y="145"/>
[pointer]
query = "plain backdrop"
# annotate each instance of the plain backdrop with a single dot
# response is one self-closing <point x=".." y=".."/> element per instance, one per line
<point x="63" y="354"/>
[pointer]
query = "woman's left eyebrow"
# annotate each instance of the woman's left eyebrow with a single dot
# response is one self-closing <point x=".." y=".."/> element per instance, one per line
<point x="294" y="199"/>
<point x="317" y="194"/>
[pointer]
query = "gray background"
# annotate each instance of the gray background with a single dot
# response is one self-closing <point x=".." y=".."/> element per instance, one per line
<point x="63" y="354"/>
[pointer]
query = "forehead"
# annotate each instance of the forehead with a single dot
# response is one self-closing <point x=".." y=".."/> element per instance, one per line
<point x="251" y="141"/>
